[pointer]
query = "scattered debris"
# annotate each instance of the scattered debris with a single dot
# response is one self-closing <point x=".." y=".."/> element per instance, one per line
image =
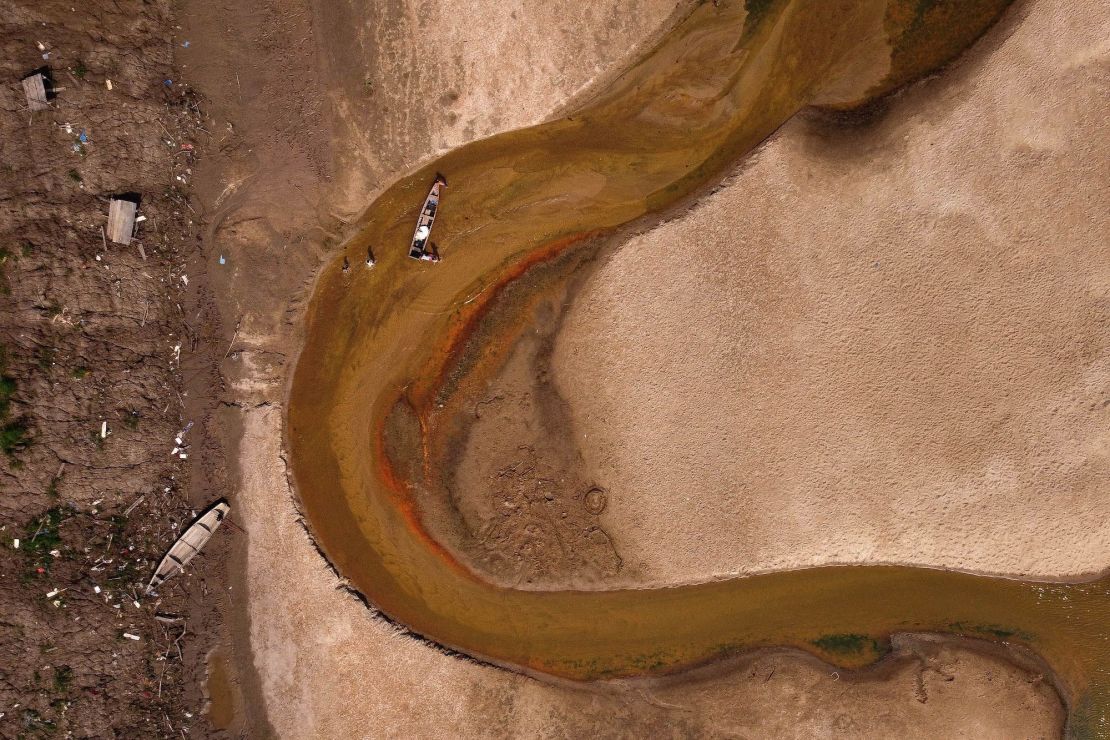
<point x="189" y="544"/>
<point x="180" y="438"/>
<point x="130" y="636"/>
<point x="136" y="502"/>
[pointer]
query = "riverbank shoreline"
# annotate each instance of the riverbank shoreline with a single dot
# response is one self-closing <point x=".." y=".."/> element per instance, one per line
<point x="286" y="656"/>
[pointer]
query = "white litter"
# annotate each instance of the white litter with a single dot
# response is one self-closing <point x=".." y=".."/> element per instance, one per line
<point x="185" y="279"/>
<point x="108" y="83"/>
<point x="42" y="46"/>
<point x="181" y="435"/>
<point x="53" y="593"/>
<point x="103" y="430"/>
<point x="130" y="636"/>
<point x="15" y="543"/>
<point x="96" y="589"/>
<point x="140" y="219"/>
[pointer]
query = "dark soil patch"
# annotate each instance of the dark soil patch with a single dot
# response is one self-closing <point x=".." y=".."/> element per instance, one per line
<point x="101" y="345"/>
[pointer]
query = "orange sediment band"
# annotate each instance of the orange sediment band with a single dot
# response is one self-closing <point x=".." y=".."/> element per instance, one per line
<point x="423" y="399"/>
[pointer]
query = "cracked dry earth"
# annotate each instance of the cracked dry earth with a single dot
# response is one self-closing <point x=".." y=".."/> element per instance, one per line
<point x="100" y="345"/>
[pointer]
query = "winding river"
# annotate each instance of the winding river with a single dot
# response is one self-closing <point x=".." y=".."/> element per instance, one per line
<point x="389" y="364"/>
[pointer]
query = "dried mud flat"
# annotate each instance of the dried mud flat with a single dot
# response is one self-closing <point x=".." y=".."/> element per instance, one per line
<point x="883" y="342"/>
<point x="103" y="349"/>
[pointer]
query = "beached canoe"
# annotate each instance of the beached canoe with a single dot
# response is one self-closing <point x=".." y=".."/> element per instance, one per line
<point x="421" y="248"/>
<point x="189" y="544"/>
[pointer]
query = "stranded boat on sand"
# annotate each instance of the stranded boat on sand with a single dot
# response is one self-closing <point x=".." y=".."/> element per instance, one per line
<point x="421" y="248"/>
<point x="189" y="544"/>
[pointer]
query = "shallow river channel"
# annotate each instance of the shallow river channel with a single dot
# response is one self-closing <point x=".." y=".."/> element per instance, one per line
<point x="388" y="363"/>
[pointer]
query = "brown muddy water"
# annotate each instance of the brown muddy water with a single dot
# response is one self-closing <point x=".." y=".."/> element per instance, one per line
<point x="221" y="691"/>
<point x="387" y="367"/>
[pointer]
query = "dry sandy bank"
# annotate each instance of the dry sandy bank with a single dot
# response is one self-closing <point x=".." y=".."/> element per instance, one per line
<point x="279" y="189"/>
<point x="885" y="343"/>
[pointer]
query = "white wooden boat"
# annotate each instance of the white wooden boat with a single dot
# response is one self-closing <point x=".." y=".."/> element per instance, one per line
<point x="189" y="544"/>
<point x="421" y="248"/>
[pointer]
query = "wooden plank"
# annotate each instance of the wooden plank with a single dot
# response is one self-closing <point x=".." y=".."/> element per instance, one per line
<point x="121" y="220"/>
<point x="34" y="87"/>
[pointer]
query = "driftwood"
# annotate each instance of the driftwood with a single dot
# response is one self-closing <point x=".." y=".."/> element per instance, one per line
<point x="189" y="544"/>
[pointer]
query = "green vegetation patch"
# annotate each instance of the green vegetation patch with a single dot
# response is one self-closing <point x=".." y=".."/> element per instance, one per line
<point x="14" y="433"/>
<point x="42" y="536"/>
<point x="63" y="678"/>
<point x="990" y="630"/>
<point x="6" y="257"/>
<point x="848" y="643"/>
<point x="14" y="437"/>
<point x="7" y="390"/>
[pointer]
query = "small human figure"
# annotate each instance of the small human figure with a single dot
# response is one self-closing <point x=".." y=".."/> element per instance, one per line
<point x="346" y="263"/>
<point x="370" y="261"/>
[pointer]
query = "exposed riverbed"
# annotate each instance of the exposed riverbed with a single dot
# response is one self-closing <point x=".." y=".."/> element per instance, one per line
<point x="389" y="363"/>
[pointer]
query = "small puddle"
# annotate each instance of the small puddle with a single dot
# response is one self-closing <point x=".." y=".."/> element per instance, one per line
<point x="222" y="693"/>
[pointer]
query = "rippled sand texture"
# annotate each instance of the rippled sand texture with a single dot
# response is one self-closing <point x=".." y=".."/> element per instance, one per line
<point x="897" y="349"/>
<point x="386" y="366"/>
